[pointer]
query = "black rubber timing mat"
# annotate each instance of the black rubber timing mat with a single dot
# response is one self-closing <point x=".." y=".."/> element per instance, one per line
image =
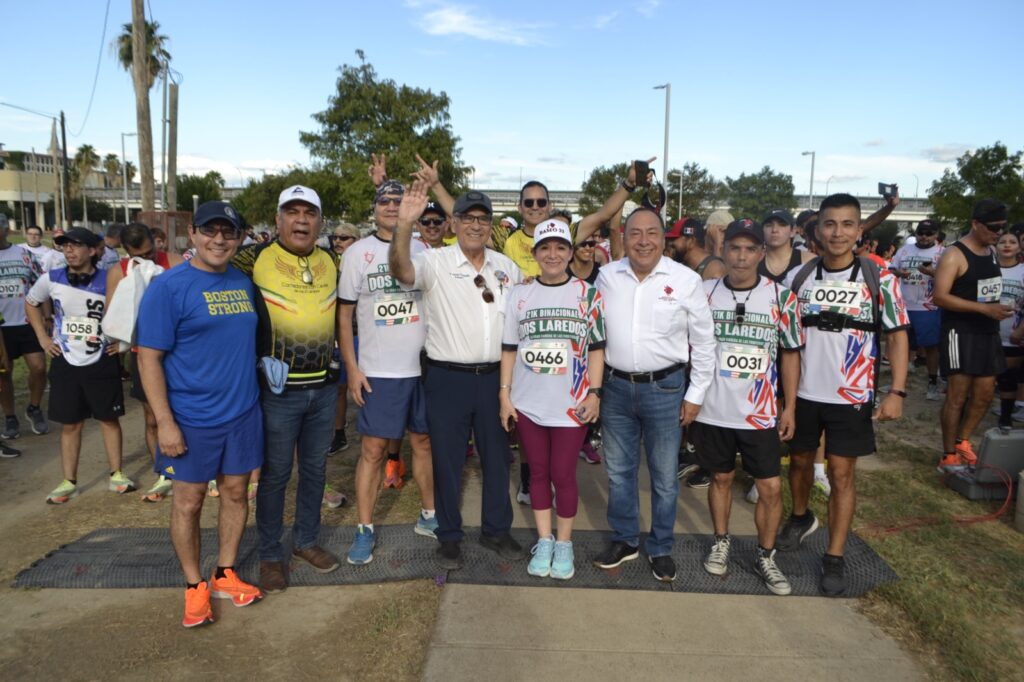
<point x="143" y="557"/>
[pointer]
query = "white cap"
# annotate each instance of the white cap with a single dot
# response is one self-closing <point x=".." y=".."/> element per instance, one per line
<point x="551" y="229"/>
<point x="509" y="219"/>
<point x="299" y="193"/>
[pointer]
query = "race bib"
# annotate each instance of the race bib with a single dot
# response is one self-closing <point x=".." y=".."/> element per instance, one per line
<point x="546" y="357"/>
<point x="836" y="297"/>
<point x="990" y="289"/>
<point x="80" y="329"/>
<point x="916" y="277"/>
<point x="11" y="288"/>
<point x="392" y="309"/>
<point x="742" y="362"/>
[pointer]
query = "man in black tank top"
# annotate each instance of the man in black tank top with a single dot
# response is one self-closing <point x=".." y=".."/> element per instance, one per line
<point x="967" y="287"/>
<point x="780" y="254"/>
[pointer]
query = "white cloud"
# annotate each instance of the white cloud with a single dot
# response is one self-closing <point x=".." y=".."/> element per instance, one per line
<point x="602" y="21"/>
<point x="648" y="7"/>
<point x="233" y="172"/>
<point x="446" y="19"/>
<point x="945" y="153"/>
<point x="877" y="142"/>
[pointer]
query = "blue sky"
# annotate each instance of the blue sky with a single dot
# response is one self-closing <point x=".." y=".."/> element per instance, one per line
<point x="549" y="90"/>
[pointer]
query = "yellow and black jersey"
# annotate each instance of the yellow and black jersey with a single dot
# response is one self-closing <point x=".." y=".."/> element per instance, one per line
<point x="296" y="304"/>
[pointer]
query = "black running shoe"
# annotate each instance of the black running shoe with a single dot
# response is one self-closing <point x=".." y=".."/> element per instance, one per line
<point x="663" y="568"/>
<point x="616" y="553"/>
<point x="339" y="443"/>
<point x="833" y="580"/>
<point x="8" y="452"/>
<point x="699" y="479"/>
<point x="794" y="532"/>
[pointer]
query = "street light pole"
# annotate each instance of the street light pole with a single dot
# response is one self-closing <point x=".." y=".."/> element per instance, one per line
<point x="124" y="174"/>
<point x="810" y="193"/>
<point x="827" y="182"/>
<point x="667" y="87"/>
<point x="917" y="185"/>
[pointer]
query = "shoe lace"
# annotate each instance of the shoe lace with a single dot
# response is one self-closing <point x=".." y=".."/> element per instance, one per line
<point x="543" y="545"/>
<point x="770" y="569"/>
<point x="720" y="551"/>
<point x="563" y="551"/>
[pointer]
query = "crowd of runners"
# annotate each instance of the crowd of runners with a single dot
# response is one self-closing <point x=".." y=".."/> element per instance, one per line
<point x="606" y="339"/>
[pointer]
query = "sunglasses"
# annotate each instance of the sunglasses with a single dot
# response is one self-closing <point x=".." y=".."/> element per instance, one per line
<point x="307" y="274"/>
<point x="540" y="203"/>
<point x="229" y="232"/>
<point x="995" y="227"/>
<point x="480" y="219"/>
<point x="589" y="244"/>
<point x="481" y="283"/>
<point x="341" y="238"/>
<point x="384" y="201"/>
<point x="927" y="234"/>
<point x="431" y="222"/>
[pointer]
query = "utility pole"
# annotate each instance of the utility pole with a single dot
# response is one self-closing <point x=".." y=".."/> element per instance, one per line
<point x="172" y="151"/>
<point x="163" y="141"/>
<point x="65" y="178"/>
<point x="143" y="122"/>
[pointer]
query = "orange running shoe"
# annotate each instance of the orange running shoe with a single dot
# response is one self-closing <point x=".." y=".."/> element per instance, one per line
<point x="393" y="473"/>
<point x="197" y="606"/>
<point x="966" y="452"/>
<point x="950" y="462"/>
<point x="232" y="587"/>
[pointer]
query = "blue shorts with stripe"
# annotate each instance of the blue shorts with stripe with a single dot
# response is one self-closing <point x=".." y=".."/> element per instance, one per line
<point x="233" y="449"/>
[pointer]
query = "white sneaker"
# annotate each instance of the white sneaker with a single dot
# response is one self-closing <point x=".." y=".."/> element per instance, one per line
<point x="752" y="496"/>
<point x="717" y="561"/>
<point x="522" y="496"/>
<point x="933" y="392"/>
<point x="822" y="484"/>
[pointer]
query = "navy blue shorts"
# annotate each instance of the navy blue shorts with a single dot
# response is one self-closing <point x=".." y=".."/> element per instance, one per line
<point x="343" y="377"/>
<point x="396" y="405"/>
<point x="233" y="449"/>
<point x="925" y="328"/>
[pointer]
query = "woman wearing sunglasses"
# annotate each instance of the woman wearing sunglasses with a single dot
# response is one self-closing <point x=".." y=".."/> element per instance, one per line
<point x="552" y="365"/>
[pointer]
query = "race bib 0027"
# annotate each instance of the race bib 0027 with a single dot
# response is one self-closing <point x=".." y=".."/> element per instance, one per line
<point x="392" y="309"/>
<point x="742" y="362"/>
<point x="80" y="329"/>
<point x="546" y="357"/>
<point x="836" y="297"/>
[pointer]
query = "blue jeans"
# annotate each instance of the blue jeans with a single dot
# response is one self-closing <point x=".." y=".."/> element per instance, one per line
<point x="296" y="417"/>
<point x="648" y="413"/>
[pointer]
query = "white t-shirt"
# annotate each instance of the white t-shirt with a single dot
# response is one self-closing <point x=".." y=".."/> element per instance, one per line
<point x="1012" y="295"/>
<point x="40" y="252"/>
<point x="838" y="367"/>
<point x="917" y="287"/>
<point x="53" y="260"/>
<point x="743" y="393"/>
<point x="77" y="312"/>
<point x="552" y="329"/>
<point x="19" y="270"/>
<point x="391" y="321"/>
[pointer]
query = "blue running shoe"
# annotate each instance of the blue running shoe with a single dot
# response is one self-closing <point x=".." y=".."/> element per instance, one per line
<point x="540" y="564"/>
<point x="361" y="551"/>
<point x="563" y="567"/>
<point x="426" y="527"/>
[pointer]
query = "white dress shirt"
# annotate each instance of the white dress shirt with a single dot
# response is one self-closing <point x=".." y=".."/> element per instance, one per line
<point x="461" y="326"/>
<point x="658" y="322"/>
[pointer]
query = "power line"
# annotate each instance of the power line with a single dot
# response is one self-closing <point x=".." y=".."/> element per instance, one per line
<point x="96" y="76"/>
<point x="31" y="111"/>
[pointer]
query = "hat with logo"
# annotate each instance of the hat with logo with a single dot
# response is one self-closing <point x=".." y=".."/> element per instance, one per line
<point x="551" y="229"/>
<point x="780" y="214"/>
<point x="389" y="187"/>
<point x="216" y="210"/>
<point x="299" y="193"/>
<point x="990" y="211"/>
<point x="686" y="227"/>
<point x="472" y="199"/>
<point x="744" y="228"/>
<point x="511" y="221"/>
<point x="78" y="235"/>
<point x="434" y="207"/>
<point x="927" y="227"/>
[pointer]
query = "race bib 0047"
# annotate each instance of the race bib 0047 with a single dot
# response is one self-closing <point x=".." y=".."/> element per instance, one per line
<point x="546" y="357"/>
<point x="80" y="329"/>
<point x="836" y="297"/>
<point x="742" y="362"/>
<point x="392" y="309"/>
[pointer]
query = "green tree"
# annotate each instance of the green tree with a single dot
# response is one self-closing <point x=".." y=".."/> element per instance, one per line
<point x="600" y="185"/>
<point x="367" y="115"/>
<point x="84" y="163"/>
<point x="753" y="196"/>
<point x="701" y="195"/>
<point x="129" y="171"/>
<point x="258" y="201"/>
<point x="156" y="50"/>
<point x="112" y="167"/>
<point x="986" y="173"/>
<point x="208" y="187"/>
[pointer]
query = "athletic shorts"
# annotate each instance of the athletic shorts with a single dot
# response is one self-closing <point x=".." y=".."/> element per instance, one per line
<point x="760" y="449"/>
<point x="1013" y="351"/>
<point x="20" y="340"/>
<point x="233" y="449"/>
<point x="77" y="393"/>
<point x="979" y="355"/>
<point x="136" y="391"/>
<point x="343" y="376"/>
<point x="925" y="328"/>
<point x="394" y="406"/>
<point x="849" y="431"/>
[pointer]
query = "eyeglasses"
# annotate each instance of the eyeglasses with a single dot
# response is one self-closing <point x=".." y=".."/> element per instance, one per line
<point x="431" y="222"/>
<point x="995" y="227"/>
<point x="229" y="232"/>
<point x="529" y="203"/>
<point x="589" y="244"/>
<point x="307" y="274"/>
<point x="479" y="219"/>
<point x="384" y="201"/>
<point x="481" y="283"/>
<point x="341" y="238"/>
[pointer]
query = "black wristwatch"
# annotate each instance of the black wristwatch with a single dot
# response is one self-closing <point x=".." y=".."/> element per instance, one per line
<point x="895" y="391"/>
<point x="596" y="391"/>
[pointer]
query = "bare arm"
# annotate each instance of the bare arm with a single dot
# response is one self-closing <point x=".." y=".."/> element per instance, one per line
<point x="507" y="413"/>
<point x="114" y="277"/>
<point x="891" y="406"/>
<point x="357" y="382"/>
<point x="154" y="383"/>
<point x="714" y="270"/>
<point x="400" y="252"/>
<point x="428" y="174"/>
<point x="790" y="384"/>
<point x="879" y="216"/>
<point x="34" y="313"/>
<point x="613" y="205"/>
<point x="952" y="265"/>
<point x="615" y="238"/>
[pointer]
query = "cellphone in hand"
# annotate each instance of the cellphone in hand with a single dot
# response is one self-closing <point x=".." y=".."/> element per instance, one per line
<point x="642" y="169"/>
<point x="888" y="191"/>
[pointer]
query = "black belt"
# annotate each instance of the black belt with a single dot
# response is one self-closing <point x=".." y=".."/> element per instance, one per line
<point x="836" y="322"/>
<point x="482" y="368"/>
<point x="646" y="377"/>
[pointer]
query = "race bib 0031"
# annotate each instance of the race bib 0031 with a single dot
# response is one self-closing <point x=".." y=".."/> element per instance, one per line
<point x="546" y="357"/>
<point x="836" y="297"/>
<point x="392" y="309"/>
<point x="989" y="290"/>
<point x="742" y="362"/>
<point x="80" y="329"/>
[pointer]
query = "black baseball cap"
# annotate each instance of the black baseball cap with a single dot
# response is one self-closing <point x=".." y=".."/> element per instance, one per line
<point x="804" y="216"/>
<point x="78" y="235"/>
<point x="779" y="214"/>
<point x="927" y="226"/>
<point x="472" y="199"/>
<point x="434" y="207"/>
<point x="744" y="228"/>
<point x="216" y="210"/>
<point x="990" y="211"/>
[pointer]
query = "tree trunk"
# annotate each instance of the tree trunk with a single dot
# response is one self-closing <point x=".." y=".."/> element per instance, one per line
<point x="144" y="127"/>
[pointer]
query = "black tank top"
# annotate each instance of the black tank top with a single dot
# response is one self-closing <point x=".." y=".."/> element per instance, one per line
<point x="703" y="265"/>
<point x="981" y="283"/>
<point x="590" y="279"/>
<point x="794" y="262"/>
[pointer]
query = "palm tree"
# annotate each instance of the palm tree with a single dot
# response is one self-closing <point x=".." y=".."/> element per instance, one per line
<point x="156" y="51"/>
<point x="112" y="167"/>
<point x="129" y="172"/>
<point x="85" y="162"/>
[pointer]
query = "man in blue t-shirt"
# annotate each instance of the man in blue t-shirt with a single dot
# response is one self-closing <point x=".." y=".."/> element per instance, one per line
<point x="197" y="359"/>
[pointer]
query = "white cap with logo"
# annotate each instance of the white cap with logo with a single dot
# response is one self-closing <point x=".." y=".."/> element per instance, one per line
<point x="551" y="229"/>
<point x="299" y="193"/>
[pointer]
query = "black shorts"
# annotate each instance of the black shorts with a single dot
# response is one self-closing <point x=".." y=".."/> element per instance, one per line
<point x="849" y="431"/>
<point x="136" y="390"/>
<point x="760" y="449"/>
<point x="20" y="340"/>
<point x="1013" y="351"/>
<point x="77" y="393"/>
<point x="979" y="355"/>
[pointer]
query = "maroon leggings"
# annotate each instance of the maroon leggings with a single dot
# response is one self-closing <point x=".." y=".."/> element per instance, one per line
<point x="551" y="452"/>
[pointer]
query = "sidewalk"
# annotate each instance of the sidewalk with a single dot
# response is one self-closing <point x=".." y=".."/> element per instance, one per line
<point x="547" y="633"/>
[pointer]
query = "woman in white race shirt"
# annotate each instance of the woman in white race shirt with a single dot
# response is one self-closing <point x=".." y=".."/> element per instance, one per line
<point x="552" y="366"/>
<point x="1010" y="330"/>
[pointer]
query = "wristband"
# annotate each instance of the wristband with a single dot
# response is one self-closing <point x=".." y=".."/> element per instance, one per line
<point x="504" y="386"/>
<point x="896" y="391"/>
<point x="625" y="186"/>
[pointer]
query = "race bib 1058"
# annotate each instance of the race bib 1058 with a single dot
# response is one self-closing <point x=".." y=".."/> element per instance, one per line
<point x="80" y="329"/>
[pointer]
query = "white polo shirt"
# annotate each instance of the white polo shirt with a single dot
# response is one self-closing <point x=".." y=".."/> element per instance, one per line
<point x="659" y="322"/>
<point x="461" y="326"/>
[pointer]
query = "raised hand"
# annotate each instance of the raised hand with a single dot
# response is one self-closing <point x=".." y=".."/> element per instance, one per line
<point x="631" y="178"/>
<point x="378" y="169"/>
<point x="427" y="172"/>
<point x="413" y="202"/>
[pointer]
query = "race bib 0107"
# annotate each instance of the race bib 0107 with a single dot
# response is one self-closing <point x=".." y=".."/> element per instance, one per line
<point x="80" y="329"/>
<point x="989" y="290"/>
<point x="836" y="297"/>
<point x="546" y="357"/>
<point x="392" y="309"/>
<point x="742" y="362"/>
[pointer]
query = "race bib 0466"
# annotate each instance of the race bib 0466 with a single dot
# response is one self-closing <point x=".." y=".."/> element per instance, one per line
<point x="742" y="362"/>
<point x="546" y="357"/>
<point x="392" y="309"/>
<point x="80" y="329"/>
<point x="836" y="297"/>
